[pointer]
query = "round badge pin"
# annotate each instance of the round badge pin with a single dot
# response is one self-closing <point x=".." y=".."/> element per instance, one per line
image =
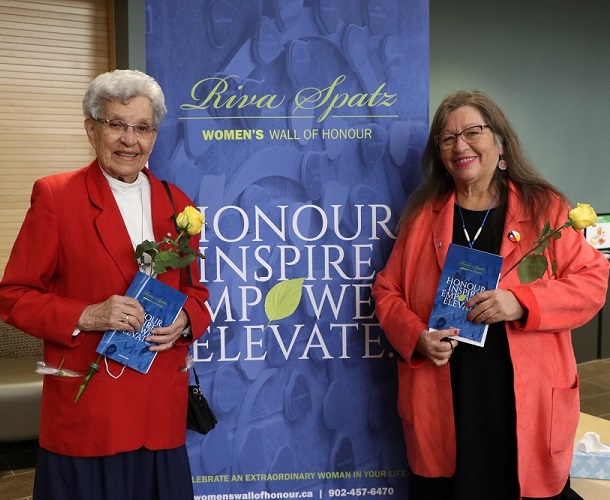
<point x="514" y="236"/>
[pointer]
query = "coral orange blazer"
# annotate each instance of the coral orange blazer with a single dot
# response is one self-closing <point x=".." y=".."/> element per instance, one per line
<point x="546" y="381"/>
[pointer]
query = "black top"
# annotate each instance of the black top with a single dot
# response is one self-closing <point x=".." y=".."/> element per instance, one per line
<point x="483" y="391"/>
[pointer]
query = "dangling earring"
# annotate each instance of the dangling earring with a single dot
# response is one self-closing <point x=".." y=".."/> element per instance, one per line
<point x="502" y="163"/>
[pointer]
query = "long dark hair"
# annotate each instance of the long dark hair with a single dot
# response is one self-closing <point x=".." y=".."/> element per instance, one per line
<point x="437" y="183"/>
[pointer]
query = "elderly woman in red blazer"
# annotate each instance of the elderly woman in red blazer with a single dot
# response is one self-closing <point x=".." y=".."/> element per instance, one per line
<point x="497" y="421"/>
<point x="65" y="282"/>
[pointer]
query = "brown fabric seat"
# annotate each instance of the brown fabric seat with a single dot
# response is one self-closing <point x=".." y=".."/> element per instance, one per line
<point x="20" y="385"/>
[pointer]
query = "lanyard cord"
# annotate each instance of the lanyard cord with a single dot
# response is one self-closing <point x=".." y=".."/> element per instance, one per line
<point x="471" y="242"/>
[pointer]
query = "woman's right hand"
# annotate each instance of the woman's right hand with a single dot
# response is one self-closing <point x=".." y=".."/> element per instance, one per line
<point x="436" y="345"/>
<point x="116" y="313"/>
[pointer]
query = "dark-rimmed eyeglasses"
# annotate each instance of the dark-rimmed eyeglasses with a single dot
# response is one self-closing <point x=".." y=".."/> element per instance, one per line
<point x="141" y="130"/>
<point x="469" y="135"/>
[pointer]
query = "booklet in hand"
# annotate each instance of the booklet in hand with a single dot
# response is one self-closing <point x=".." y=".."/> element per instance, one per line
<point x="466" y="272"/>
<point x="161" y="304"/>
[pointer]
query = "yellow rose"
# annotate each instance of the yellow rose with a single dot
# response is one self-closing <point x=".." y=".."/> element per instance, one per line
<point x="582" y="216"/>
<point x="190" y="220"/>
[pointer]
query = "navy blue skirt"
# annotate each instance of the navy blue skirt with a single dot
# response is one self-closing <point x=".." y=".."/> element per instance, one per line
<point x="136" y="475"/>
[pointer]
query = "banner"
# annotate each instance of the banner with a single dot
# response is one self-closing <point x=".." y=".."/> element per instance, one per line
<point x="296" y="127"/>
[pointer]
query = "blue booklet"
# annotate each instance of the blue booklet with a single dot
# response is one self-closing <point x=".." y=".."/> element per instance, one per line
<point x="466" y="272"/>
<point x="161" y="303"/>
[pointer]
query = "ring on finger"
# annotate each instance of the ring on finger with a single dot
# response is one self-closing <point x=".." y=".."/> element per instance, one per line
<point x="126" y="320"/>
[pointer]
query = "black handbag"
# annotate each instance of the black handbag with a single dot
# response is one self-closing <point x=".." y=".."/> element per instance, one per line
<point x="199" y="415"/>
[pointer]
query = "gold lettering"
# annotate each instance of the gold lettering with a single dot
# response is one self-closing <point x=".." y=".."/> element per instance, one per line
<point x="222" y="95"/>
<point x="313" y="98"/>
<point x="225" y="93"/>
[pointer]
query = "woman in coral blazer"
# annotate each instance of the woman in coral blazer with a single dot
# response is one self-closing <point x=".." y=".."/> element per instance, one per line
<point x="496" y="421"/>
<point x="65" y="282"/>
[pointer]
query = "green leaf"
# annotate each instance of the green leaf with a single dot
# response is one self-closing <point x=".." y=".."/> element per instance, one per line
<point x="532" y="267"/>
<point x="158" y="268"/>
<point x="283" y="299"/>
<point x="167" y="259"/>
<point x="186" y="260"/>
<point x="183" y="242"/>
<point x="188" y="251"/>
<point x="149" y="247"/>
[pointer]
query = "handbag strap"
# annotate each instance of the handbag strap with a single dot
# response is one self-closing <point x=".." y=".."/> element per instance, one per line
<point x="195" y="373"/>
<point x="188" y="269"/>
<point x="171" y="199"/>
<point x="189" y="280"/>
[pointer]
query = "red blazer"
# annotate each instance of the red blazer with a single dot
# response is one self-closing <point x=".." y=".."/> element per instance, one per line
<point x="73" y="250"/>
<point x="546" y="381"/>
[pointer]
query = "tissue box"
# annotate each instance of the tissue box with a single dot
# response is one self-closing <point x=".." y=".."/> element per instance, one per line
<point x="595" y="465"/>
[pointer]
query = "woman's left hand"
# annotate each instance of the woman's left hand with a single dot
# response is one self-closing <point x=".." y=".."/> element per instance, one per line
<point x="493" y="306"/>
<point x="166" y="336"/>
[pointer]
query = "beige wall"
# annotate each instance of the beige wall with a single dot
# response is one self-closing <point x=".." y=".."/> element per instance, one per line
<point x="49" y="52"/>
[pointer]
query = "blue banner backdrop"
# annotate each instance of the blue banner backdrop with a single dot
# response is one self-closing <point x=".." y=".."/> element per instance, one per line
<point x="296" y="126"/>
